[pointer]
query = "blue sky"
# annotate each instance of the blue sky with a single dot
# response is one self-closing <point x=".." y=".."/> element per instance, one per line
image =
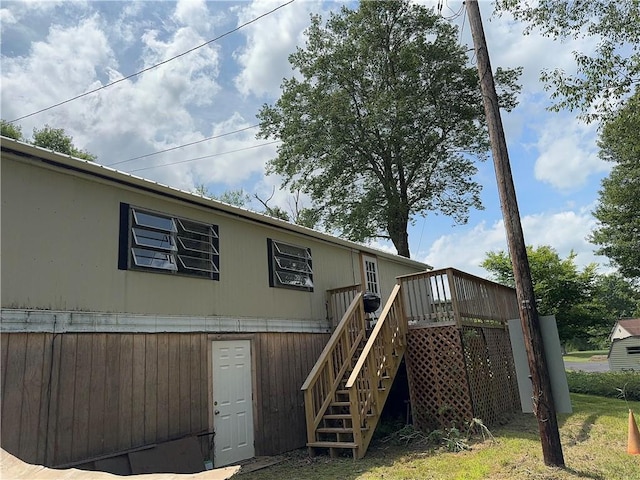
<point x="55" y="50"/>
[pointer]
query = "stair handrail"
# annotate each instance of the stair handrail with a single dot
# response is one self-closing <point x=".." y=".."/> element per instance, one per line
<point x="382" y="352"/>
<point x="322" y="382"/>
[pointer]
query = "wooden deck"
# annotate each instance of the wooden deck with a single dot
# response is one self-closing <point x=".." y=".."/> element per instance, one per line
<point x="447" y="367"/>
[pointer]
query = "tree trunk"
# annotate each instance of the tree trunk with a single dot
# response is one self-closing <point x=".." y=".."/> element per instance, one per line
<point x="400" y="237"/>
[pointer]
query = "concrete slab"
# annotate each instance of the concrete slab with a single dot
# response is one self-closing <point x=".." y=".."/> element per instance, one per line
<point x="12" y="468"/>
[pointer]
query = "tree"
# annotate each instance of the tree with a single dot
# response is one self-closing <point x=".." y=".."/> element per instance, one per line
<point x="57" y="140"/>
<point x="10" y="130"/>
<point x="382" y="122"/>
<point x="560" y="288"/>
<point x="307" y="217"/>
<point x="606" y="76"/>
<point x="618" y="210"/>
<point x="614" y="297"/>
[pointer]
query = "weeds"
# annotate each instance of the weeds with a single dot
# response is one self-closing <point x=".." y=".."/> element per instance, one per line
<point x="450" y="439"/>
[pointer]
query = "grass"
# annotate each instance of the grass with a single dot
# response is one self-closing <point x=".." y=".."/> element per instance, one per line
<point x="594" y="439"/>
<point x="583" y="356"/>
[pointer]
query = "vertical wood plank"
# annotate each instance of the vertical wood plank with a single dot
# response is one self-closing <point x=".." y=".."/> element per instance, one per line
<point x="150" y="388"/>
<point x="137" y="398"/>
<point x="124" y="384"/>
<point x="54" y="397"/>
<point x="274" y="396"/>
<point x="163" y="387"/>
<point x="4" y="351"/>
<point x="257" y="395"/>
<point x="31" y="396"/>
<point x="194" y="383"/>
<point x="204" y="382"/>
<point x="97" y="394"/>
<point x="79" y="445"/>
<point x="12" y="392"/>
<point x="267" y="402"/>
<point x="185" y="387"/>
<point x="45" y="397"/>
<point x="174" y="385"/>
<point x="290" y="364"/>
<point x="66" y="395"/>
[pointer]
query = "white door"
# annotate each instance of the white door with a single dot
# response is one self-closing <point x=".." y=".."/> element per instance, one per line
<point x="370" y="269"/>
<point x="232" y="402"/>
<point x="371" y="280"/>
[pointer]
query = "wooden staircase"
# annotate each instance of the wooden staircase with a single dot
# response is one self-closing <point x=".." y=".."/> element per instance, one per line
<point x="347" y="388"/>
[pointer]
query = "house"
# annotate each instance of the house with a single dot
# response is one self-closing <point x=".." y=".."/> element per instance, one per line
<point x="624" y="353"/>
<point x="134" y="313"/>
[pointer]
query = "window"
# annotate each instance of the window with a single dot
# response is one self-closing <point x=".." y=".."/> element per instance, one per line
<point x="157" y="242"/>
<point x="633" y="350"/>
<point x="370" y="273"/>
<point x="289" y="266"/>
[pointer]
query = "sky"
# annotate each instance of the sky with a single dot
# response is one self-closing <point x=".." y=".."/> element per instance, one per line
<point x="53" y="51"/>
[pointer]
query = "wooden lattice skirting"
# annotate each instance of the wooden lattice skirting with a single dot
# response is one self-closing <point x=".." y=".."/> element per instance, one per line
<point x="457" y="374"/>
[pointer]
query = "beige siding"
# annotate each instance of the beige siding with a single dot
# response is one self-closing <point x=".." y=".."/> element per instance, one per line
<point x="619" y="359"/>
<point x="60" y="251"/>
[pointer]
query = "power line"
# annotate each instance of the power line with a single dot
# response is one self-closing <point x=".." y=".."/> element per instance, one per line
<point x="181" y="146"/>
<point x="154" y="66"/>
<point x="202" y="158"/>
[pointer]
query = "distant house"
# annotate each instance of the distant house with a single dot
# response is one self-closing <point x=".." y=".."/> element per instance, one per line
<point x="624" y="353"/>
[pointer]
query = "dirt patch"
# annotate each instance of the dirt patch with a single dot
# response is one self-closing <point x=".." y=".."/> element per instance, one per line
<point x="598" y="358"/>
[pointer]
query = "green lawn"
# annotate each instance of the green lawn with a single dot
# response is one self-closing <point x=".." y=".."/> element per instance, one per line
<point x="594" y="440"/>
<point x="584" y="356"/>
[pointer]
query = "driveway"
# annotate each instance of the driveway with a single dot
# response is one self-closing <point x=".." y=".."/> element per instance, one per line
<point x="588" y="366"/>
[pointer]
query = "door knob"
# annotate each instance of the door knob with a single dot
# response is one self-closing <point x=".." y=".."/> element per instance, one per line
<point x="216" y="412"/>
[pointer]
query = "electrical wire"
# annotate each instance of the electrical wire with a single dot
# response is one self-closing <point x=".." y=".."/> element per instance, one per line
<point x="464" y="18"/>
<point x="180" y="146"/>
<point x="206" y="156"/>
<point x="154" y="66"/>
<point x="455" y="14"/>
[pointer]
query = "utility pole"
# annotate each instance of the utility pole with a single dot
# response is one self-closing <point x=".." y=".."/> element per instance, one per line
<point x="543" y="405"/>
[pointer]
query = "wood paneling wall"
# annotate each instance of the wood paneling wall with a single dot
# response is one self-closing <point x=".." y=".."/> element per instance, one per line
<point x="283" y="361"/>
<point x="68" y="397"/>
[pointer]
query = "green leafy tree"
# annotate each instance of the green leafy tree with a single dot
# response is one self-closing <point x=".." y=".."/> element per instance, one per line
<point x="382" y="122"/>
<point x="561" y="289"/>
<point x="10" y="130"/>
<point x="618" y="210"/>
<point x="238" y="198"/>
<point x="57" y="140"/>
<point x="614" y="297"/>
<point x="602" y="78"/>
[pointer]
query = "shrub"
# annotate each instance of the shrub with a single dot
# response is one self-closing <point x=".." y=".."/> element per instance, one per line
<point x="606" y="384"/>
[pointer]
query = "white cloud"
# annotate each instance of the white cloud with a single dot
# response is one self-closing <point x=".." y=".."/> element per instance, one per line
<point x="193" y="13"/>
<point x="264" y="59"/>
<point x="7" y="17"/>
<point x="65" y="64"/>
<point x="567" y="153"/>
<point x="564" y="231"/>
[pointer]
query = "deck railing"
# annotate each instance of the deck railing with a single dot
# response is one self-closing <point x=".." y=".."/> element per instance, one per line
<point x="449" y="296"/>
<point x="338" y="300"/>
<point x="370" y="381"/>
<point x="323" y="380"/>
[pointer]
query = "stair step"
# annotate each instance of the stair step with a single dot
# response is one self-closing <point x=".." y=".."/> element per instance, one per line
<point x="337" y="430"/>
<point x="332" y="444"/>
<point x="340" y="404"/>
<point x="337" y="416"/>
